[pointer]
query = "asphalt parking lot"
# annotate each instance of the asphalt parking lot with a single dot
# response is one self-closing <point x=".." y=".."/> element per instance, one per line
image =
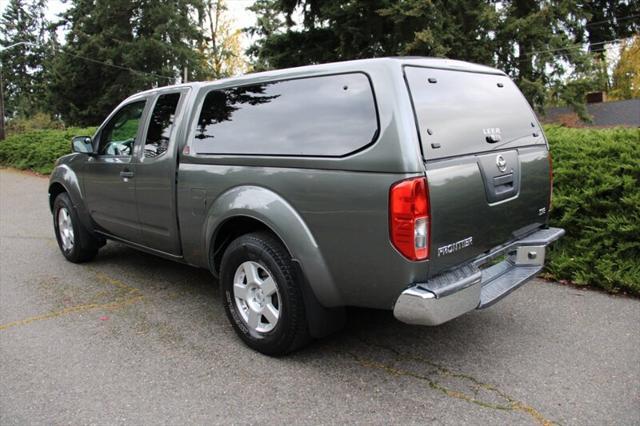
<point x="130" y="338"/>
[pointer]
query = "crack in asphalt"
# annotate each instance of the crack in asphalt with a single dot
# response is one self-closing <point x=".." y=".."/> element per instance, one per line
<point x="131" y="295"/>
<point x="434" y="378"/>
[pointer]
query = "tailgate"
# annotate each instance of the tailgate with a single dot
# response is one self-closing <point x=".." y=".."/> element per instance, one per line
<point x="486" y="161"/>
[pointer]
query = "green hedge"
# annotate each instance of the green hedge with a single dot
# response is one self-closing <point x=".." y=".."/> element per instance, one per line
<point x="37" y="150"/>
<point x="596" y="199"/>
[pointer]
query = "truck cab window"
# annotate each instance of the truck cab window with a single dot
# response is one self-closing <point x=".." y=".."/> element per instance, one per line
<point x="161" y="125"/>
<point x="119" y="134"/>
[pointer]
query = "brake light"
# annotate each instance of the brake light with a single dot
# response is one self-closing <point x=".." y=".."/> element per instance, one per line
<point x="409" y="218"/>
<point x="550" y="179"/>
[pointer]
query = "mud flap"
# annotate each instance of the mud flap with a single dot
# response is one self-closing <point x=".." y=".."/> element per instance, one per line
<point x="322" y="321"/>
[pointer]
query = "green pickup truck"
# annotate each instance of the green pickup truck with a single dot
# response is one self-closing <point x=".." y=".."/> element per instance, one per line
<point x="417" y="185"/>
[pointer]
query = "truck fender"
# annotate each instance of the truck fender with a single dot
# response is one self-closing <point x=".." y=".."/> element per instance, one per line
<point x="64" y="176"/>
<point x="281" y="218"/>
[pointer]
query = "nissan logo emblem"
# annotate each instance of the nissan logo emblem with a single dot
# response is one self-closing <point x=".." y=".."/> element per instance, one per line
<point x="501" y="163"/>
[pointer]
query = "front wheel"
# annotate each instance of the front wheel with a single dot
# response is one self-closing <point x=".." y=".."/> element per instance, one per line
<point x="76" y="243"/>
<point x="261" y="295"/>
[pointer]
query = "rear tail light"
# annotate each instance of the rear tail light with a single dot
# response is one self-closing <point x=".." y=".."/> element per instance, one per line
<point x="409" y="221"/>
<point x="550" y="180"/>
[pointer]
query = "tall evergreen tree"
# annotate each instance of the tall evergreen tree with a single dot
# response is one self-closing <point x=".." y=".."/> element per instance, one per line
<point x="331" y="30"/>
<point x="608" y="20"/>
<point x="460" y="29"/>
<point x="23" y="67"/>
<point x="539" y="43"/>
<point x="269" y="23"/>
<point x="41" y="54"/>
<point x="115" y="48"/>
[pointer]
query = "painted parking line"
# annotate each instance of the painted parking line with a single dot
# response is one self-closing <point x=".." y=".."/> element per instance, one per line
<point x="130" y="295"/>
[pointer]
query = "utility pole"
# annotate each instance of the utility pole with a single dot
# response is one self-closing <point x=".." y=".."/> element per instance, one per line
<point x="2" y="135"/>
<point x="1" y="106"/>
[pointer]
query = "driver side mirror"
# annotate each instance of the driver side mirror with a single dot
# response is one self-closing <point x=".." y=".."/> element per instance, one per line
<point x="82" y="144"/>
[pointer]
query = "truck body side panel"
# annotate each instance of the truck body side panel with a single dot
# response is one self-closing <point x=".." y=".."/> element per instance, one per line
<point x="348" y="225"/>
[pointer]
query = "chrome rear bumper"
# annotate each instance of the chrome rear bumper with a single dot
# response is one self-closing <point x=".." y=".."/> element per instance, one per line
<point x="452" y="294"/>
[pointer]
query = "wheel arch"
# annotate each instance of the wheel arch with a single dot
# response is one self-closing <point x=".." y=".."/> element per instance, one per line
<point x="55" y="189"/>
<point x="64" y="179"/>
<point x="230" y="229"/>
<point x="322" y="321"/>
<point x="246" y="209"/>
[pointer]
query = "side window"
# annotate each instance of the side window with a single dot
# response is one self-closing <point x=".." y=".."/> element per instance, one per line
<point x="317" y="116"/>
<point x="119" y="134"/>
<point x="161" y="125"/>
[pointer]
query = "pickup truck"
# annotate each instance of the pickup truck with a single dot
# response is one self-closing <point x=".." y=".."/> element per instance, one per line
<point x="417" y="185"/>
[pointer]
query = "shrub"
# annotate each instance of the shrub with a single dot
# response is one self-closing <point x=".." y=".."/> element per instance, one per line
<point x="40" y="121"/>
<point x="38" y="150"/>
<point x="596" y="199"/>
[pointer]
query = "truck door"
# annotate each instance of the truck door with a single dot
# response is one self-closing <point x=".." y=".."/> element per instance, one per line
<point x="156" y="174"/>
<point x="109" y="176"/>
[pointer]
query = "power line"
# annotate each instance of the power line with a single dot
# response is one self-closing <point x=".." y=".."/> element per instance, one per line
<point x="617" y="18"/>
<point x="172" y="79"/>
<point x="121" y="67"/>
<point x="535" y="52"/>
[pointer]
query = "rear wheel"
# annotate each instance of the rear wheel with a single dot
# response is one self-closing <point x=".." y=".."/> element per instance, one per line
<point x="261" y="295"/>
<point x="75" y="242"/>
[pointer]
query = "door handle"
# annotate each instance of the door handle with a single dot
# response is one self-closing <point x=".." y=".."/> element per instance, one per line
<point x="126" y="174"/>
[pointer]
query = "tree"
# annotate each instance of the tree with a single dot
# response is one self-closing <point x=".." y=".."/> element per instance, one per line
<point x="609" y="20"/>
<point x="460" y="29"/>
<point x="541" y="44"/>
<point x="23" y="66"/>
<point x="42" y="53"/>
<point x="538" y="45"/>
<point x="118" y="47"/>
<point x="606" y="22"/>
<point x="330" y="30"/>
<point x="221" y="47"/>
<point x="626" y="74"/>
<point x="269" y="22"/>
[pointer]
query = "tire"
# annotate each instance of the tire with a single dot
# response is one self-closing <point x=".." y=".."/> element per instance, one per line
<point x="261" y="295"/>
<point x="76" y="243"/>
